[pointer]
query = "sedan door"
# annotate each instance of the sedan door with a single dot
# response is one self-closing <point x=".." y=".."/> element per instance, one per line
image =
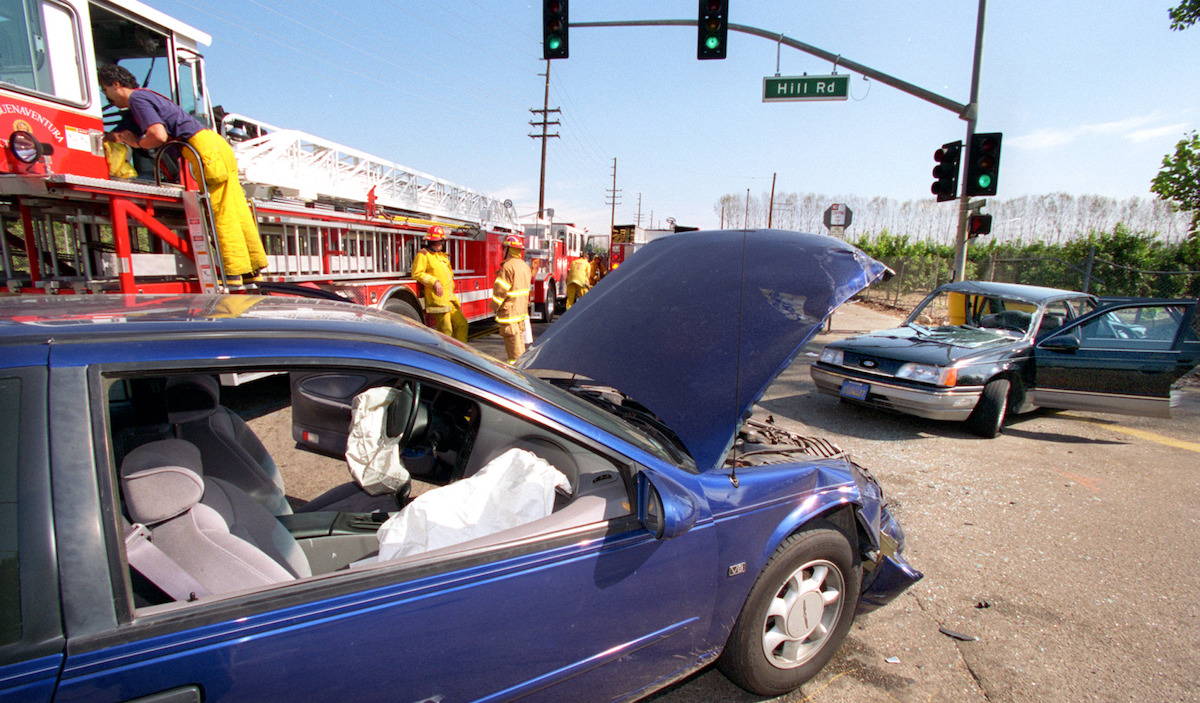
<point x="1122" y="358"/>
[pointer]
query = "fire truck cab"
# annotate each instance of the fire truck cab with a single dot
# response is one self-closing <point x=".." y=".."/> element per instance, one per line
<point x="333" y="220"/>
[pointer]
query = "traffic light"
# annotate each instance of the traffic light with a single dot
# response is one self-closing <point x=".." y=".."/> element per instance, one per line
<point x="983" y="164"/>
<point x="554" y="29"/>
<point x="945" y="187"/>
<point x="978" y="224"/>
<point x="713" y="28"/>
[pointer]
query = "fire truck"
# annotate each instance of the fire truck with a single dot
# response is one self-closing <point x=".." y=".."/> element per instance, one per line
<point x="335" y="222"/>
<point x="550" y="248"/>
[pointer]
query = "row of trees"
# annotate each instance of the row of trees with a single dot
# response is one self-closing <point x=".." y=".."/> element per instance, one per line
<point x="1056" y="218"/>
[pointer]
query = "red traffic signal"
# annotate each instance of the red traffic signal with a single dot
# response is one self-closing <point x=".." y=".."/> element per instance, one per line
<point x="713" y="29"/>
<point x="978" y="224"/>
<point x="945" y="184"/>
<point x="554" y="29"/>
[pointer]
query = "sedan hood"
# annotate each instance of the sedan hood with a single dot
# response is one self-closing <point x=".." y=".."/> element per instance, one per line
<point x="940" y="346"/>
<point x="695" y="326"/>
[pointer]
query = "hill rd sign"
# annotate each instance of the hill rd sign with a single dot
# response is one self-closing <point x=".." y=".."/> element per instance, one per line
<point x="801" y="88"/>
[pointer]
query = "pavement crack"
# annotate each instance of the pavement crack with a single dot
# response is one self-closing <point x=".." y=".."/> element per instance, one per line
<point x="979" y="685"/>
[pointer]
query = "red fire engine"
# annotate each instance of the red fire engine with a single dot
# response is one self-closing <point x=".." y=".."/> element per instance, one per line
<point x="550" y="248"/>
<point x="332" y="219"/>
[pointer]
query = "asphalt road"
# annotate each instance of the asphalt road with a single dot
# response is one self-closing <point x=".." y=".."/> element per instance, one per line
<point x="1064" y="550"/>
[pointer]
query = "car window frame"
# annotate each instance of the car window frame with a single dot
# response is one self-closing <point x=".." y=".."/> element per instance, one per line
<point x="41" y="616"/>
<point x="171" y="617"/>
<point x="1110" y="306"/>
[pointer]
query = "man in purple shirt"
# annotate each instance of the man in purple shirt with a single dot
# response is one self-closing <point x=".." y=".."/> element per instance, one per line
<point x="154" y="121"/>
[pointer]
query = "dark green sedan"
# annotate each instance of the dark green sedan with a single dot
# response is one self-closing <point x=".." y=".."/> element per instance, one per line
<point x="975" y="351"/>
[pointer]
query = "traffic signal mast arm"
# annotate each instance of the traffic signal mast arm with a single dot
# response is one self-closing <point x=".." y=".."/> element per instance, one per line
<point x="963" y="111"/>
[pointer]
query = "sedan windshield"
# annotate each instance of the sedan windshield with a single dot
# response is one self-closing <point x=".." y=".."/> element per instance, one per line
<point x="984" y="312"/>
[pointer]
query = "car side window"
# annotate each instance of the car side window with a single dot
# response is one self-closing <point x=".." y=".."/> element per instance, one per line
<point x="10" y="584"/>
<point x="1054" y="316"/>
<point x="315" y="472"/>
<point x="1146" y="328"/>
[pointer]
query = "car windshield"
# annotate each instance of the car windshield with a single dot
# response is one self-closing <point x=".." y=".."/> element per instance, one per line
<point x="984" y="312"/>
<point x="593" y="413"/>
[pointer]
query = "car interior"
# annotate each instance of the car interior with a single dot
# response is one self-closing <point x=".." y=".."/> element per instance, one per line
<point x="206" y="504"/>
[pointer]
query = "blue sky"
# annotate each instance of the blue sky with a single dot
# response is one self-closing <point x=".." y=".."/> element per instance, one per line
<point x="1089" y="95"/>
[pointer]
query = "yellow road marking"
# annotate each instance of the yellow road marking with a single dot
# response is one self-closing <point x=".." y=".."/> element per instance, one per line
<point x="1142" y="434"/>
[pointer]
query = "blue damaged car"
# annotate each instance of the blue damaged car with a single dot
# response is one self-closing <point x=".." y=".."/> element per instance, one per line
<point x="186" y="514"/>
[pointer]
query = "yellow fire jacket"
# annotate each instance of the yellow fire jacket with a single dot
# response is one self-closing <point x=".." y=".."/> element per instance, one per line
<point x="510" y="292"/>
<point x="433" y="267"/>
<point x="577" y="273"/>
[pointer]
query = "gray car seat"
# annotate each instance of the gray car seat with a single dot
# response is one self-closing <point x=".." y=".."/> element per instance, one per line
<point x="225" y="540"/>
<point x="233" y="453"/>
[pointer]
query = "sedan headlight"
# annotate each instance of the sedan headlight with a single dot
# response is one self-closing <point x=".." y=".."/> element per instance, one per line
<point x="925" y="373"/>
<point x="831" y="356"/>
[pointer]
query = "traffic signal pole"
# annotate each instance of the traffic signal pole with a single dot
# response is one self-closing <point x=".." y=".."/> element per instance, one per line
<point x="971" y="115"/>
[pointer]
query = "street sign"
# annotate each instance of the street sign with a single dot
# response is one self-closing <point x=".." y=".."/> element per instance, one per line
<point x="798" y="88"/>
<point x="838" y="215"/>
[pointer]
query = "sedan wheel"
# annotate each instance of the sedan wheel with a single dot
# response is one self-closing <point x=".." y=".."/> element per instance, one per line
<point x="987" y="417"/>
<point x="797" y="614"/>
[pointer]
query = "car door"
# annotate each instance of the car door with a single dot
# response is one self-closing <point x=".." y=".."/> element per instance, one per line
<point x="1121" y="358"/>
<point x="573" y="610"/>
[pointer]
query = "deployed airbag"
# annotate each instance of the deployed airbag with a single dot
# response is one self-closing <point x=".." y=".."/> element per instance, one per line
<point x="372" y="455"/>
<point x="515" y="488"/>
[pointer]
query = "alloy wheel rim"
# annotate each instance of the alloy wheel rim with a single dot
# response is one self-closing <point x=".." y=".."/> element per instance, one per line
<point x="803" y="614"/>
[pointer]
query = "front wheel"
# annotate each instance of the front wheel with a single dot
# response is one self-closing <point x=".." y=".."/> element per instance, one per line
<point x="988" y="415"/>
<point x="548" y="309"/>
<point x="403" y="307"/>
<point x="797" y="614"/>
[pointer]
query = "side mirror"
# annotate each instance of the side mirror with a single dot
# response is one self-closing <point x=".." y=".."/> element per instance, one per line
<point x="1065" y="343"/>
<point x="665" y="508"/>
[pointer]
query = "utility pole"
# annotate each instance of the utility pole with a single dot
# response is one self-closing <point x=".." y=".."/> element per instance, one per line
<point x="639" y="212"/>
<point x="771" y="209"/>
<point x="613" y="198"/>
<point x="544" y="136"/>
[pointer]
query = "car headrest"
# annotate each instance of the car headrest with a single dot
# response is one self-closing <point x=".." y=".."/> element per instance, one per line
<point x="161" y="480"/>
<point x="191" y="398"/>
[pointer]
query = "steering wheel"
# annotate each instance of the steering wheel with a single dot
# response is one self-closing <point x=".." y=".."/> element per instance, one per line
<point x="402" y="413"/>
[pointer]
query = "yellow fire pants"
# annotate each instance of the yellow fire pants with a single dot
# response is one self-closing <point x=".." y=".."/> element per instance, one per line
<point x="237" y="233"/>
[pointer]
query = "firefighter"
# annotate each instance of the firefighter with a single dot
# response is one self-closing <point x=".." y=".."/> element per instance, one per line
<point x="510" y="296"/>
<point x="578" y="282"/>
<point x="152" y="121"/>
<point x="431" y="268"/>
<point x="595" y="269"/>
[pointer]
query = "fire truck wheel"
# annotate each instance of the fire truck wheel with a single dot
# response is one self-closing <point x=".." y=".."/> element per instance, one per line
<point x="403" y="307"/>
<point x="549" y="308"/>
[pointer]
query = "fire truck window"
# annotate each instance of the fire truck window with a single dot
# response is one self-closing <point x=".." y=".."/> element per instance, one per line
<point x="190" y="98"/>
<point x="136" y="47"/>
<point x="39" y="48"/>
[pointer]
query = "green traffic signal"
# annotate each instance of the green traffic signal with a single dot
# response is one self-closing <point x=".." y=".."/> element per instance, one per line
<point x="554" y="43"/>
<point x="985" y="181"/>
<point x="712" y="42"/>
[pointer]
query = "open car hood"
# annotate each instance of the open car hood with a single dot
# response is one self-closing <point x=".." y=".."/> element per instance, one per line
<point x="696" y="325"/>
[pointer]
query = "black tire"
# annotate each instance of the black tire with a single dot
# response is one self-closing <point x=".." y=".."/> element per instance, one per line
<point x="549" y="308"/>
<point x="987" y="417"/>
<point x="404" y="308"/>
<point x="771" y="651"/>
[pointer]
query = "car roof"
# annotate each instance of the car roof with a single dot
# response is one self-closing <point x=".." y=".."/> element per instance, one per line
<point x="65" y="319"/>
<point x="1016" y="291"/>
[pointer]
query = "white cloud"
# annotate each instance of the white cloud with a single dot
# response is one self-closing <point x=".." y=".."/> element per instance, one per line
<point x="1133" y="129"/>
<point x="1143" y="135"/>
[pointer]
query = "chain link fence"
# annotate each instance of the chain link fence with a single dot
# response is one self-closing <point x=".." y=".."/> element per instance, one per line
<point x="915" y="276"/>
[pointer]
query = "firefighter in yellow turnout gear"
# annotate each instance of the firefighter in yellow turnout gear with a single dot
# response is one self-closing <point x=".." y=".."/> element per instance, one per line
<point x="578" y="282"/>
<point x="431" y="268"/>
<point x="510" y="297"/>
